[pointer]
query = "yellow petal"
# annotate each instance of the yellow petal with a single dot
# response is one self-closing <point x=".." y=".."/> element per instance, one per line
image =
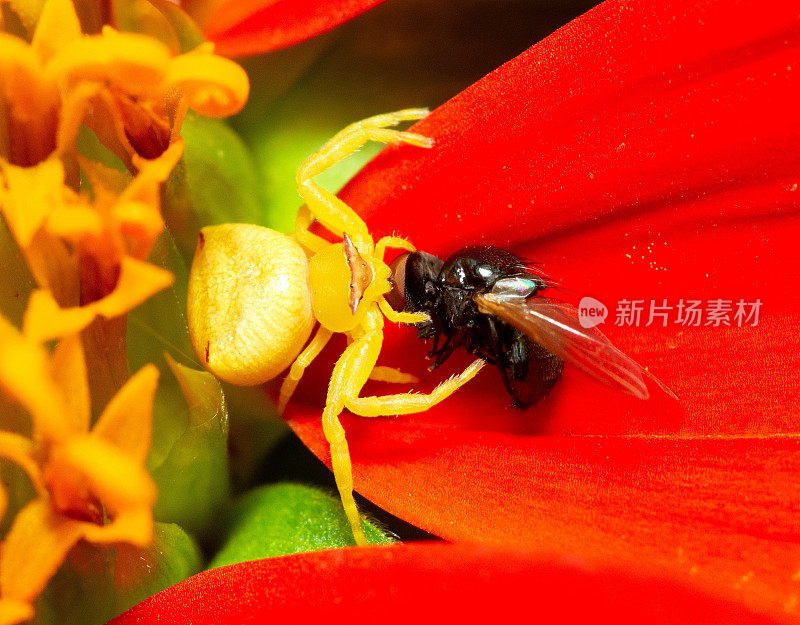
<point x="34" y="548"/>
<point x="213" y="86"/>
<point x="58" y="25"/>
<point x="146" y="124"/>
<point x="53" y="265"/>
<point x="107" y="182"/>
<point x="45" y="320"/>
<point x="141" y="224"/>
<point x="20" y="451"/>
<point x="106" y="122"/>
<point x="146" y="186"/>
<point x="118" y="480"/>
<point x="30" y="105"/>
<point x="74" y="222"/>
<point x="23" y="83"/>
<point x="132" y="62"/>
<point x="30" y="194"/>
<point x="68" y="370"/>
<point x="25" y="376"/>
<point x="13" y="612"/>
<point x="73" y="111"/>
<point x="133" y="526"/>
<point x="27" y="11"/>
<point x="137" y="282"/>
<point x="127" y="420"/>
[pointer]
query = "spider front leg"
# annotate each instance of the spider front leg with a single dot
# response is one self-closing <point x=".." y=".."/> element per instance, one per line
<point x="394" y="242"/>
<point x="326" y="207"/>
<point x="409" y="403"/>
<point x="349" y="376"/>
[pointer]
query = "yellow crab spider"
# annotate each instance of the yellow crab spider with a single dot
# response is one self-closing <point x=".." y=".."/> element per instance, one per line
<point x="255" y="294"/>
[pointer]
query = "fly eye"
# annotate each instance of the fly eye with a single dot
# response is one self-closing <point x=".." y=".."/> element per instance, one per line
<point x="397" y="296"/>
<point x="415" y="279"/>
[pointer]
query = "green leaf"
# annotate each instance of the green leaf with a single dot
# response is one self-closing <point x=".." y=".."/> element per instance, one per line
<point x="156" y="327"/>
<point x="193" y="479"/>
<point x="215" y="182"/>
<point x="160" y="19"/>
<point x="18" y="490"/>
<point x="89" y="147"/>
<point x="98" y="582"/>
<point x="255" y="429"/>
<point x="140" y="573"/>
<point x="188" y="454"/>
<point x="286" y="518"/>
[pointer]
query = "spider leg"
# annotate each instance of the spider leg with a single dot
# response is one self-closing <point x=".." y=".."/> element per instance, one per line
<point x="350" y="374"/>
<point x="298" y="367"/>
<point x="394" y="242"/>
<point x="304" y="236"/>
<point x="392" y="375"/>
<point x="332" y="212"/>
<point x="408" y="403"/>
<point x="342" y="468"/>
<point x="401" y="317"/>
<point x="384" y="405"/>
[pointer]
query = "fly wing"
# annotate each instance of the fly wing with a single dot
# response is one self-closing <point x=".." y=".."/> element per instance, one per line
<point x="554" y="325"/>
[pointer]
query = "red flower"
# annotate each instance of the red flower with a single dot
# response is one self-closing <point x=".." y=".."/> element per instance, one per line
<point x="245" y="27"/>
<point x="640" y="153"/>
<point x="455" y="583"/>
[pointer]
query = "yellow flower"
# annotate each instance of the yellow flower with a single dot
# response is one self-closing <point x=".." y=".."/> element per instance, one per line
<point x="86" y="231"/>
<point x="87" y="256"/>
<point x="109" y="235"/>
<point x="129" y="88"/>
<point x="91" y="483"/>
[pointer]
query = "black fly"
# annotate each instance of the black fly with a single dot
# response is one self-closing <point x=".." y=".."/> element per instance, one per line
<point x="489" y="301"/>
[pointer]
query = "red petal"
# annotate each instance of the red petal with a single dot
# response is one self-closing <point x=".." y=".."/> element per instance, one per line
<point x="247" y="27"/>
<point x="453" y="583"/>
<point x="668" y="132"/>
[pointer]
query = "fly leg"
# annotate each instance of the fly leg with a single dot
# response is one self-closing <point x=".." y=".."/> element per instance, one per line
<point x="440" y="354"/>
